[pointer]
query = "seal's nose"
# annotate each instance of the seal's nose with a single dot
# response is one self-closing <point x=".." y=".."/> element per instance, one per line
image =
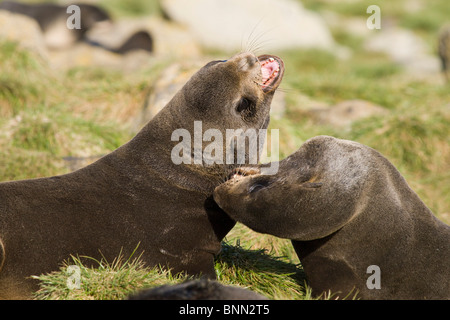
<point x="251" y="60"/>
<point x="246" y="61"/>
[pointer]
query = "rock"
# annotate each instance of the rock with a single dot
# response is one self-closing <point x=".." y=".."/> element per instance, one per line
<point x="235" y="25"/>
<point x="346" y="112"/>
<point x="23" y="30"/>
<point x="169" y="39"/>
<point x="356" y="26"/>
<point x="404" y="48"/>
<point x="83" y="54"/>
<point x="170" y="42"/>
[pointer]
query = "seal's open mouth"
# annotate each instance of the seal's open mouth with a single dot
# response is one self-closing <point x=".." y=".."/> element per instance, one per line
<point x="272" y="70"/>
<point x="239" y="173"/>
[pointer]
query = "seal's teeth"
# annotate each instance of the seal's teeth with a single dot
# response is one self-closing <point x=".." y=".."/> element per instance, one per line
<point x="270" y="69"/>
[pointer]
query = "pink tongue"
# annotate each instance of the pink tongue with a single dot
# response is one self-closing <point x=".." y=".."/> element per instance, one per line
<point x="267" y="69"/>
<point x="266" y="72"/>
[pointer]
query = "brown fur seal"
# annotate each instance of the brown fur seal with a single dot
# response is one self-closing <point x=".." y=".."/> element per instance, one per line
<point x="140" y="40"/>
<point x="137" y="194"/>
<point x="52" y="19"/>
<point x="202" y="289"/>
<point x="354" y="221"/>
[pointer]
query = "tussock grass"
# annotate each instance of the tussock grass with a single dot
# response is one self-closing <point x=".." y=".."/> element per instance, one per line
<point x="45" y="115"/>
<point x="106" y="281"/>
<point x="255" y="270"/>
<point x="24" y="79"/>
<point x="260" y="271"/>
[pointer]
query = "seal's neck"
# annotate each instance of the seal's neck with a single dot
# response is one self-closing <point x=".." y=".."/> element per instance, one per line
<point x="152" y="148"/>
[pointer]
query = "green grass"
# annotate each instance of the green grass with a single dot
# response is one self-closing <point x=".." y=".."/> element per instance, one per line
<point x="259" y="270"/>
<point x="23" y="81"/>
<point x="135" y="8"/>
<point x="106" y="281"/>
<point x="46" y="115"/>
<point x="254" y="270"/>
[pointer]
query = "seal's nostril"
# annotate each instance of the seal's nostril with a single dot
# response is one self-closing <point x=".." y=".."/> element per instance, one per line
<point x="252" y="60"/>
<point x="246" y="61"/>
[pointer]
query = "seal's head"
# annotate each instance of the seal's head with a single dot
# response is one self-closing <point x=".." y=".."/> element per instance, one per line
<point x="232" y="94"/>
<point x="314" y="193"/>
<point x="219" y="105"/>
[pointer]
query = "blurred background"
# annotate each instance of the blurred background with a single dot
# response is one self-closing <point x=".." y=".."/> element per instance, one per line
<point x="69" y="96"/>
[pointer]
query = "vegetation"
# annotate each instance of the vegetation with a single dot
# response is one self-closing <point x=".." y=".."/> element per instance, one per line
<point x="47" y="114"/>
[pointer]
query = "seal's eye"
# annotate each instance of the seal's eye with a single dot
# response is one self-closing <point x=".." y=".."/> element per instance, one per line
<point x="243" y="105"/>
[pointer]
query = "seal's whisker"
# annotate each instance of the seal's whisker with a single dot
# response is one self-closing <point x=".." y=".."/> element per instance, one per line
<point x="257" y="45"/>
<point x="260" y="45"/>
<point x="259" y="42"/>
<point x="288" y="90"/>
<point x="249" y="38"/>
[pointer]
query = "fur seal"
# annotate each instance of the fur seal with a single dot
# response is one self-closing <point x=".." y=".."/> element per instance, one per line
<point x="140" y="40"/>
<point x="352" y="218"/>
<point x="137" y="194"/>
<point x="201" y="289"/>
<point x="52" y="19"/>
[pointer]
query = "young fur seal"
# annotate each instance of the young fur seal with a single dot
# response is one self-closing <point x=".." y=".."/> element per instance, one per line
<point x="52" y="19"/>
<point x="137" y="194"/>
<point x="352" y="218"/>
<point x="199" y="289"/>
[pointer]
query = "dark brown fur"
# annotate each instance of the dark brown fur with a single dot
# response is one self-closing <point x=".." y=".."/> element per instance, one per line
<point x="46" y="14"/>
<point x="202" y="289"/>
<point x="136" y="194"/>
<point x="346" y="207"/>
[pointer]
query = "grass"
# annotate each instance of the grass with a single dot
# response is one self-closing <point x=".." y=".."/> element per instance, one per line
<point x="253" y="269"/>
<point x="259" y="270"/>
<point x="135" y="8"/>
<point x="106" y="281"/>
<point x="46" y="115"/>
<point x="50" y="115"/>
